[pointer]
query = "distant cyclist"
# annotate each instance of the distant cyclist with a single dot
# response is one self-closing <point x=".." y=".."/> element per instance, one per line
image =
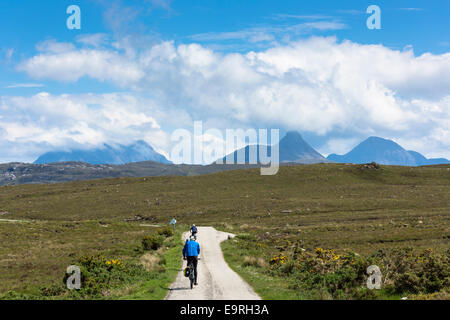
<point x="191" y="251"/>
<point x="194" y="231"/>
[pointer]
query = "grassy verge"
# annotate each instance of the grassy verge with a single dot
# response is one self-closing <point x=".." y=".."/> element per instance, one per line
<point x="114" y="264"/>
<point x="278" y="272"/>
<point x="268" y="288"/>
<point x="157" y="288"/>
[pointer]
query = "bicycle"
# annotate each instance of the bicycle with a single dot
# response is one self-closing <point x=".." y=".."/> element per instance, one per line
<point x="191" y="274"/>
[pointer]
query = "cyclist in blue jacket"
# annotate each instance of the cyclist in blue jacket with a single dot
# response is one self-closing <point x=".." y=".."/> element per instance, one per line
<point x="194" y="231"/>
<point x="191" y="250"/>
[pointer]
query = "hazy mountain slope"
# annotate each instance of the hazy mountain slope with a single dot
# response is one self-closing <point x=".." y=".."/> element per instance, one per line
<point x="384" y="151"/>
<point x="292" y="148"/>
<point x="138" y="151"/>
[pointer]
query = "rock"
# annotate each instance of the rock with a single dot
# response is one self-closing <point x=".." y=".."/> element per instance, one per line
<point x="405" y="298"/>
<point x="3" y="213"/>
<point x="286" y="211"/>
<point x="370" y="166"/>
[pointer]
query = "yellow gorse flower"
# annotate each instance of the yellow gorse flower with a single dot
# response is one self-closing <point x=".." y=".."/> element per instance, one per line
<point x="114" y="262"/>
<point x="281" y="259"/>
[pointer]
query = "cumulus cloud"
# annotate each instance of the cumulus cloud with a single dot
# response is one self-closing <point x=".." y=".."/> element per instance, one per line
<point x="317" y="85"/>
<point x="64" y="63"/>
<point x="47" y="122"/>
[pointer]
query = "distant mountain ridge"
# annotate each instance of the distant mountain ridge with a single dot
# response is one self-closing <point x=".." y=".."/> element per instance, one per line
<point x="15" y="173"/>
<point x="136" y="152"/>
<point x="384" y="151"/>
<point x="292" y="148"/>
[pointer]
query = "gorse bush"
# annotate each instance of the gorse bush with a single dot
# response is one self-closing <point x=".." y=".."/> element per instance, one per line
<point x="153" y="242"/>
<point x="165" y="231"/>
<point x="414" y="271"/>
<point x="99" y="274"/>
<point x="324" y="274"/>
<point x="321" y="274"/>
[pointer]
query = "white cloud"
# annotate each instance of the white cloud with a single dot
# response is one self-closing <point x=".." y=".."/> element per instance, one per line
<point x="66" y="64"/>
<point x="52" y="46"/>
<point x="49" y="122"/>
<point x="281" y="16"/>
<point x="411" y="9"/>
<point x="339" y="146"/>
<point x="271" y="33"/>
<point x="9" y="53"/>
<point x="317" y="85"/>
<point x="24" y="85"/>
<point x="95" y="40"/>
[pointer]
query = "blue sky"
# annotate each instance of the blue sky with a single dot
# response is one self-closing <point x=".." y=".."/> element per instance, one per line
<point x="159" y="60"/>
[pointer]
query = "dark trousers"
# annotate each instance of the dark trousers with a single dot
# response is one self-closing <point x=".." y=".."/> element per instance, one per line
<point x="194" y="261"/>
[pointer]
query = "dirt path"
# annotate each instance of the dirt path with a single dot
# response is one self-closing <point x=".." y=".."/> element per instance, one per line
<point x="216" y="279"/>
<point x="10" y="220"/>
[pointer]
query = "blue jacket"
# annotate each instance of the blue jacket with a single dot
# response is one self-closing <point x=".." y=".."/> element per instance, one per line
<point x="191" y="249"/>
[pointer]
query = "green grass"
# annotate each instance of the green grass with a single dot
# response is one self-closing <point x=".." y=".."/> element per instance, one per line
<point x="157" y="289"/>
<point x="267" y="287"/>
<point x="38" y="253"/>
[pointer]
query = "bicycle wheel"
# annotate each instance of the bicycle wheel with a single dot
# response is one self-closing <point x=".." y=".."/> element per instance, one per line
<point x="191" y="275"/>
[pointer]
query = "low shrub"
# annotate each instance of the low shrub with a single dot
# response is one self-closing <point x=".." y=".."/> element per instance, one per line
<point x="323" y="273"/>
<point x="52" y="290"/>
<point x="153" y="242"/>
<point x="413" y="271"/>
<point x="14" y="295"/>
<point x="165" y="231"/>
<point x="98" y="274"/>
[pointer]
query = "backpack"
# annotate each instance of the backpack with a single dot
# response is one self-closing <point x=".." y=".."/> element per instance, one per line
<point x="194" y="229"/>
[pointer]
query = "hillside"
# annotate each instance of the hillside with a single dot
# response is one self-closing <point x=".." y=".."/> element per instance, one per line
<point x="357" y="208"/>
<point x="24" y="173"/>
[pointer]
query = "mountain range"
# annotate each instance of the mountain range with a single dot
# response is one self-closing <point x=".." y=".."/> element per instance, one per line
<point x="292" y="148"/>
<point x="383" y="151"/>
<point x="136" y="152"/>
<point x="123" y="161"/>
